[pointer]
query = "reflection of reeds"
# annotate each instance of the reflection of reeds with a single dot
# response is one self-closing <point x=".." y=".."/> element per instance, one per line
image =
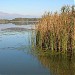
<point x="55" y="32"/>
<point x="55" y="62"/>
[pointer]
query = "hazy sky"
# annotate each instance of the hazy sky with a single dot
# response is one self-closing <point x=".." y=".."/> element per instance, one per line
<point x="32" y="7"/>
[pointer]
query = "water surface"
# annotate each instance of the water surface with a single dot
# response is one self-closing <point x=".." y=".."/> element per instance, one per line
<point x="18" y="55"/>
<point x="15" y="52"/>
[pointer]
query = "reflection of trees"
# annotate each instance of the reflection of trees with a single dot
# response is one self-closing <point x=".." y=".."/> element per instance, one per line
<point x="23" y="23"/>
<point x="58" y="64"/>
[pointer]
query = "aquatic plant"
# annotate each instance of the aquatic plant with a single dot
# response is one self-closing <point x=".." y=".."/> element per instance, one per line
<point x="55" y="31"/>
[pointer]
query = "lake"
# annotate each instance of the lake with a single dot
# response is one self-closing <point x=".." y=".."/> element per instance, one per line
<point x="15" y="51"/>
<point x="18" y="54"/>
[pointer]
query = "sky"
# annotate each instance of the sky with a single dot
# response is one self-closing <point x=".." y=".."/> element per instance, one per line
<point x="32" y="7"/>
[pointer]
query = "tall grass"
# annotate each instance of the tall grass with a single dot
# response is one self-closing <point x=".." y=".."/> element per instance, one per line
<point x="55" y="31"/>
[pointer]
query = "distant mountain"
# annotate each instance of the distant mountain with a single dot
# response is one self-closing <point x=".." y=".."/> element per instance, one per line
<point x="12" y="16"/>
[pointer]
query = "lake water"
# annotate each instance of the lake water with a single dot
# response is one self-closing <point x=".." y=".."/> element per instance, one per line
<point x="15" y="52"/>
<point x="18" y="55"/>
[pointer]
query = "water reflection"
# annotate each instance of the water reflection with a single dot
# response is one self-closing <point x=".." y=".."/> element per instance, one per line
<point x="24" y="23"/>
<point x="11" y="26"/>
<point x="58" y="64"/>
<point x="15" y="53"/>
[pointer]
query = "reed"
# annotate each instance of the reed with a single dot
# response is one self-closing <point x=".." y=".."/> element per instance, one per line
<point x="55" y="31"/>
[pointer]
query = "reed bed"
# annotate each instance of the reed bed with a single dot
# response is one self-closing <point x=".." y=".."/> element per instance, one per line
<point x="55" y="31"/>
